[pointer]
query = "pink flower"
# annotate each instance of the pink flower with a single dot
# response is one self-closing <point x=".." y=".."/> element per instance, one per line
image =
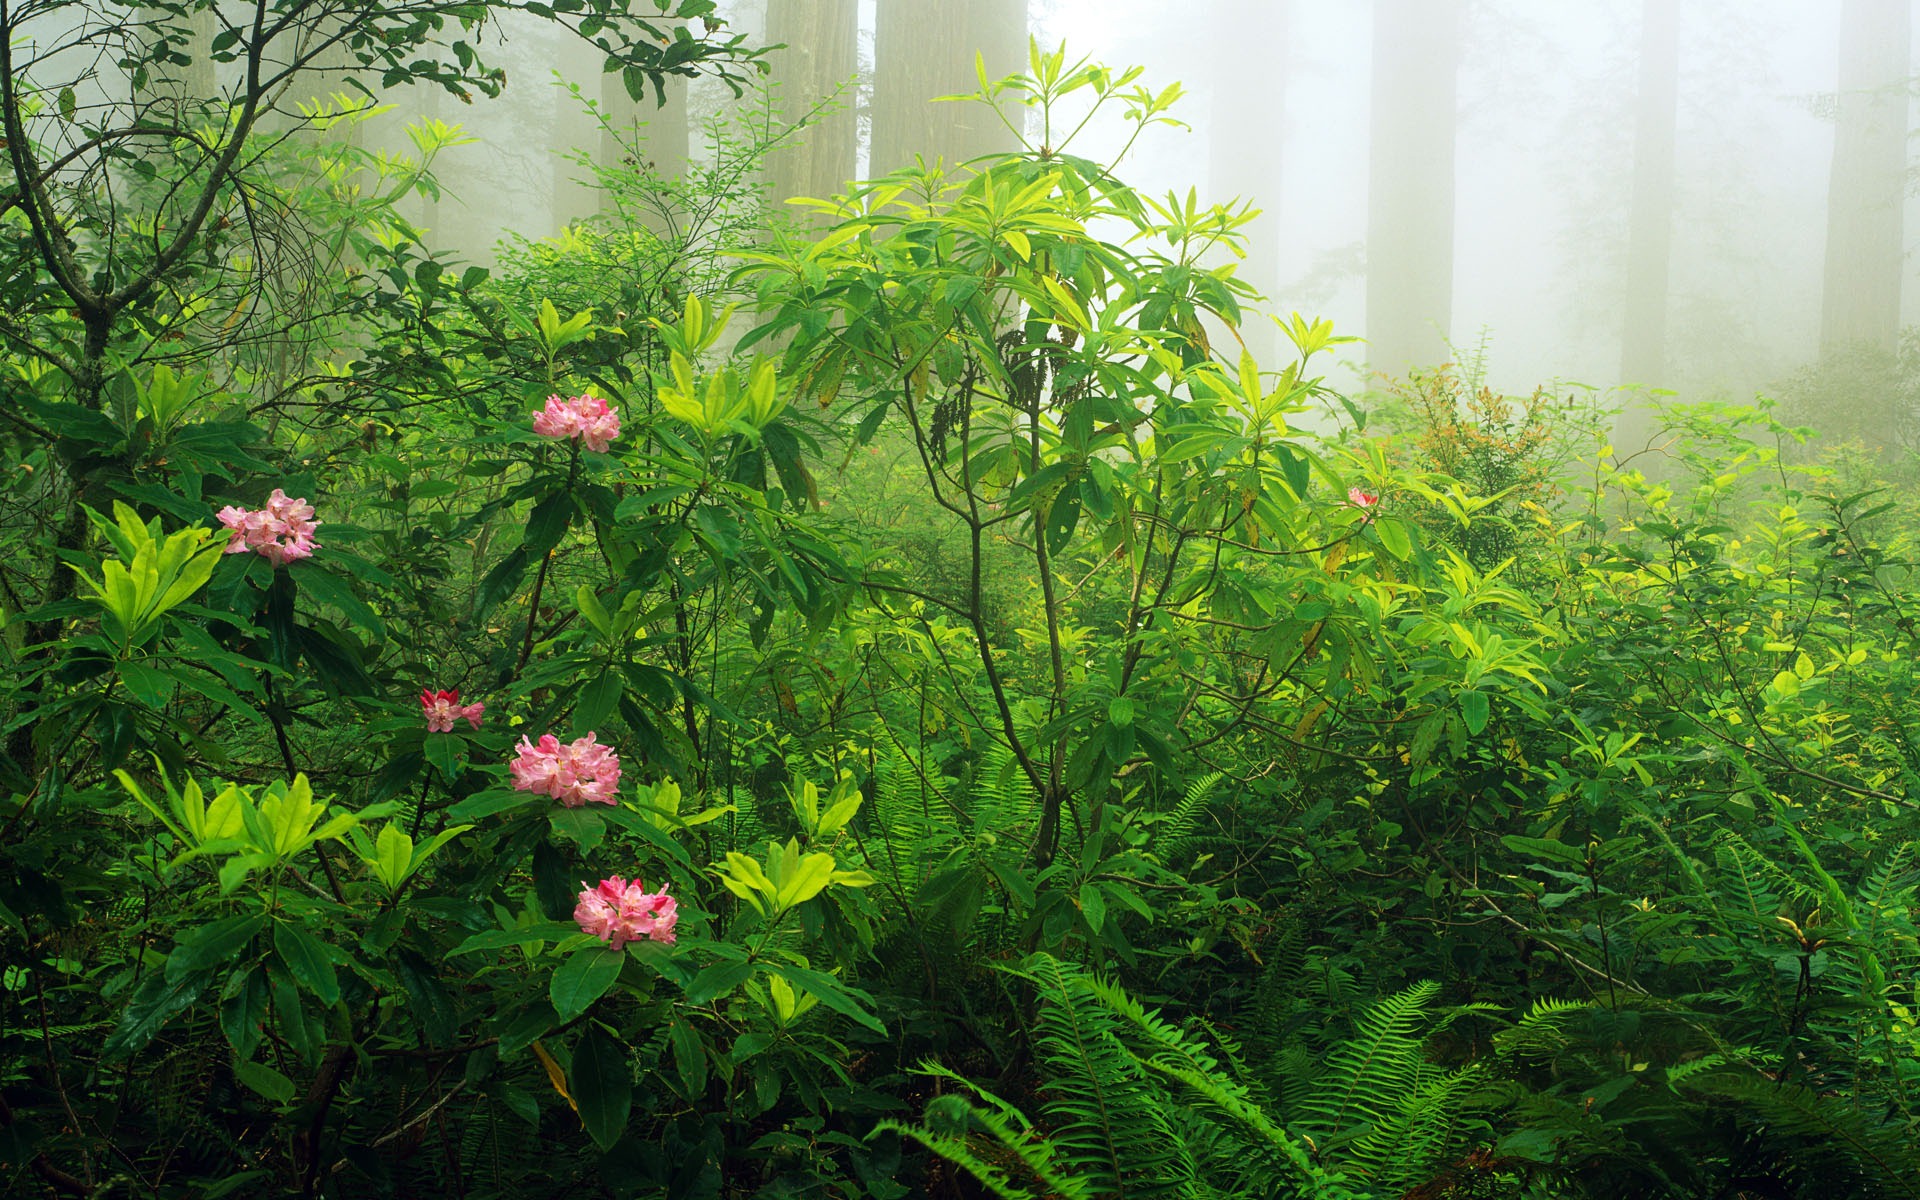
<point x="442" y="709"/>
<point x="618" y="912"/>
<point x="585" y="417"/>
<point x="557" y="419"/>
<point x="1365" y="501"/>
<point x="575" y="774"/>
<point x="281" y="532"/>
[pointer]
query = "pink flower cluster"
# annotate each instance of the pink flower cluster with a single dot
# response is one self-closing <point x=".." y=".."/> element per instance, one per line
<point x="585" y="417"/>
<point x="1363" y="500"/>
<point x="573" y="774"/>
<point x="618" y="912"/>
<point x="442" y="709"/>
<point x="281" y="532"/>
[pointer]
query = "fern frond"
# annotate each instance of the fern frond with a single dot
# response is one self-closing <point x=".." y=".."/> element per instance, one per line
<point x="1109" y="1126"/>
<point x="1364" y="1073"/>
<point x="1886" y="1154"/>
<point x="1009" y="1131"/>
<point x="1275" y="1161"/>
<point x="1176" y="832"/>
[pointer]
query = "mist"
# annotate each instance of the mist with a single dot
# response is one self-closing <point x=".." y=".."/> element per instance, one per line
<point x="1620" y="194"/>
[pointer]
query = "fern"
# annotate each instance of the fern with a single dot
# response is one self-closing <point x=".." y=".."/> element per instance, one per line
<point x="1107" y="1123"/>
<point x="1381" y="1061"/>
<point x="1011" y="1134"/>
<point x="1137" y="1106"/>
<point x="1882" y="1156"/>
<point x="1177" y="830"/>
<point x="1279" y="1161"/>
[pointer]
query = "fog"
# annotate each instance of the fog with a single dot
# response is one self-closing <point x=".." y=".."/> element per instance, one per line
<point x="1452" y="181"/>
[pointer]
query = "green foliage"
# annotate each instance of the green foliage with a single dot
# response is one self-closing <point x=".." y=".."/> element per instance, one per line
<point x="1072" y="775"/>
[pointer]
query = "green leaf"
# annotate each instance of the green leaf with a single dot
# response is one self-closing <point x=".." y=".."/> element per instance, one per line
<point x="1547" y="848"/>
<point x="329" y="589"/>
<point x="642" y="824"/>
<point x="806" y="881"/>
<point x="602" y="1086"/>
<point x="491" y="801"/>
<point x="547" y="523"/>
<point x="243" y="1010"/>
<point x="213" y="944"/>
<point x="445" y="751"/>
<point x="500" y="939"/>
<point x="583" y="828"/>
<point x="1393" y="536"/>
<point x="1062" y="515"/>
<point x="264" y="1080"/>
<point x="582" y="979"/>
<point x="598" y="698"/>
<point x="501" y="581"/>
<point x="1093" y="906"/>
<point x="158" y="1001"/>
<point x="848" y="1002"/>
<point x="309" y="960"/>
<point x="150" y="686"/>
<point x="1473" y="706"/>
<point x="716" y="980"/>
<point x="689" y="1059"/>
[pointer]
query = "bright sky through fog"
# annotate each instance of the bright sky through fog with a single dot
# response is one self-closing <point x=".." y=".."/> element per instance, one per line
<point x="1543" y="156"/>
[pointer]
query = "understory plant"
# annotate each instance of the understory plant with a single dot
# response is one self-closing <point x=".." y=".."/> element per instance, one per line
<point x="900" y="705"/>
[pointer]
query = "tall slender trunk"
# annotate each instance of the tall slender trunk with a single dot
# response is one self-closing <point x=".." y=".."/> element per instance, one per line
<point x="1416" y="59"/>
<point x="1643" y="343"/>
<point x="822" y="39"/>
<point x="927" y="48"/>
<point x="659" y="132"/>
<point x="1867" y="187"/>
<point x="1244" y="138"/>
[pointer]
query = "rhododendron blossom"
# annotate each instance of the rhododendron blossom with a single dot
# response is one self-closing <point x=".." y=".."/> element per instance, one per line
<point x="585" y="417"/>
<point x="1365" y="501"/>
<point x="281" y="532"/>
<point x="444" y="708"/>
<point x="618" y="912"/>
<point x="574" y="773"/>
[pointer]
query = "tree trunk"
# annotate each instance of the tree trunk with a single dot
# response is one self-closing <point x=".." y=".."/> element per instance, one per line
<point x="1643" y="343"/>
<point x="181" y="92"/>
<point x="1244" y="134"/>
<point x="1867" y="187"/>
<point x="661" y="133"/>
<point x="822" y="39"/>
<point x="926" y="48"/>
<point x="1416" y="58"/>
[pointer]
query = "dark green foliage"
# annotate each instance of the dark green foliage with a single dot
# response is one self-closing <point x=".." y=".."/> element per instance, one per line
<point x="1069" y="788"/>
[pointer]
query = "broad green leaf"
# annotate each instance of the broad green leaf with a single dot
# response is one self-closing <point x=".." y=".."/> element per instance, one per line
<point x="264" y="1080"/>
<point x="848" y="1002"/>
<point x="582" y="979"/>
<point x="689" y="1058"/>
<point x="500" y="939"/>
<point x="716" y="980"/>
<point x="1474" y="708"/>
<point x="158" y="1000"/>
<point x="212" y="945"/>
<point x="309" y="960"/>
<point x="602" y="1085"/>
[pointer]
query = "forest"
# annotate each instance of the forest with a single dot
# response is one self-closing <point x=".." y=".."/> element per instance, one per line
<point x="656" y="598"/>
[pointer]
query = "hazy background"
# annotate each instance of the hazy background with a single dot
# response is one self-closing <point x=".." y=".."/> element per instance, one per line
<point x="1570" y="145"/>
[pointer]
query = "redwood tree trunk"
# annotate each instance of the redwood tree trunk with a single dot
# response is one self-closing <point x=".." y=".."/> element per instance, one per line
<point x="1416" y="58"/>
<point x="926" y="48"/>
<point x="1867" y="187"/>
<point x="1244" y="138"/>
<point x="821" y="56"/>
<point x="1643" y="343"/>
